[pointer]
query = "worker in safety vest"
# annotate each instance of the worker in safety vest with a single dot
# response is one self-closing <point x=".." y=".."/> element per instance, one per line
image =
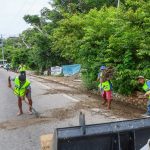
<point x="107" y="93"/>
<point x="146" y="88"/>
<point x="22" y="68"/>
<point x="21" y="89"/>
<point x="105" y="88"/>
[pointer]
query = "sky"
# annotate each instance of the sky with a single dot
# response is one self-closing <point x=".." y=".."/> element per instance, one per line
<point x="12" y="12"/>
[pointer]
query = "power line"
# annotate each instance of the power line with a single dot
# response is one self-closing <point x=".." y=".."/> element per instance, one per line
<point x="20" y="10"/>
<point x="18" y="13"/>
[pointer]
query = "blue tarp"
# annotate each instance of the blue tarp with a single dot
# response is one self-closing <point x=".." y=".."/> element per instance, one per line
<point x="69" y="70"/>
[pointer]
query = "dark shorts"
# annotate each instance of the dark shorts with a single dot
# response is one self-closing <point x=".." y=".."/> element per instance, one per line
<point x="28" y="95"/>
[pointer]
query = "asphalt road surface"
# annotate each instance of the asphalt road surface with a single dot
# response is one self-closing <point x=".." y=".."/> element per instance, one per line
<point x="58" y="105"/>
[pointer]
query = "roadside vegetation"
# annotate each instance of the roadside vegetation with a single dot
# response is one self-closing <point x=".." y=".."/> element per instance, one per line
<point x="89" y="32"/>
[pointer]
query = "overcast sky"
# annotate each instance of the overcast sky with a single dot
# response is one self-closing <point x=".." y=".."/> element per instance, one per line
<point x="12" y="12"/>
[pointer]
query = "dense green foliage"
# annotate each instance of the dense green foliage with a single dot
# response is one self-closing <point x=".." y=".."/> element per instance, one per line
<point x="91" y="33"/>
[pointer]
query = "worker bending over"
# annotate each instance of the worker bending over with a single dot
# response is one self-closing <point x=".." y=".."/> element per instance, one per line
<point x="21" y="89"/>
<point x="146" y="87"/>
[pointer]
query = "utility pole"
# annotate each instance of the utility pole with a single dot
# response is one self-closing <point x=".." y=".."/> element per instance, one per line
<point x="2" y="46"/>
<point x="118" y="4"/>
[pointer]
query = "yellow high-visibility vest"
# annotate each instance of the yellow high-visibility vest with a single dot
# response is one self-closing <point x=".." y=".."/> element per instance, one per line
<point x="20" y="90"/>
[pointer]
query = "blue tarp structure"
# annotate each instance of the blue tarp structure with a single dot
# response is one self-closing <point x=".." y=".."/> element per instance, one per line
<point x="69" y="70"/>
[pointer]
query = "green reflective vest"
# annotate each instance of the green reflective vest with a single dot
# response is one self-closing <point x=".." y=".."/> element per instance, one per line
<point x="106" y="86"/>
<point x="20" y="89"/>
<point x="22" y="68"/>
<point x="146" y="88"/>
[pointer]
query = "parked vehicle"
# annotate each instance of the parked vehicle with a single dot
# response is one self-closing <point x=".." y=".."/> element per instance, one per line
<point x="2" y="62"/>
<point x="7" y="66"/>
<point x="1" y="65"/>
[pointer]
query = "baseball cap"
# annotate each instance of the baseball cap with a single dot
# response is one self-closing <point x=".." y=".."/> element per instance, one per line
<point x="140" y="77"/>
<point x="102" y="67"/>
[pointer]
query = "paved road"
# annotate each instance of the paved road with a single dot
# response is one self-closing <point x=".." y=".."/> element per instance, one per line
<point x="59" y="107"/>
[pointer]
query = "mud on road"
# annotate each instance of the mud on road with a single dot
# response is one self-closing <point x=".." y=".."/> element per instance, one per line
<point x="58" y="114"/>
<point x="88" y="102"/>
<point x="92" y="101"/>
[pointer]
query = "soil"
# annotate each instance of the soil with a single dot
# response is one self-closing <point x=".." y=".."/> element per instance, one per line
<point x="91" y="102"/>
<point x="118" y="110"/>
<point x="15" y="124"/>
<point x="59" y="91"/>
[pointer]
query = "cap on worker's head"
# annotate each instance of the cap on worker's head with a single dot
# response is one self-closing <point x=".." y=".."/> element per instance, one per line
<point x="140" y="77"/>
<point x="102" y="67"/>
<point x="22" y="78"/>
<point x="23" y="73"/>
